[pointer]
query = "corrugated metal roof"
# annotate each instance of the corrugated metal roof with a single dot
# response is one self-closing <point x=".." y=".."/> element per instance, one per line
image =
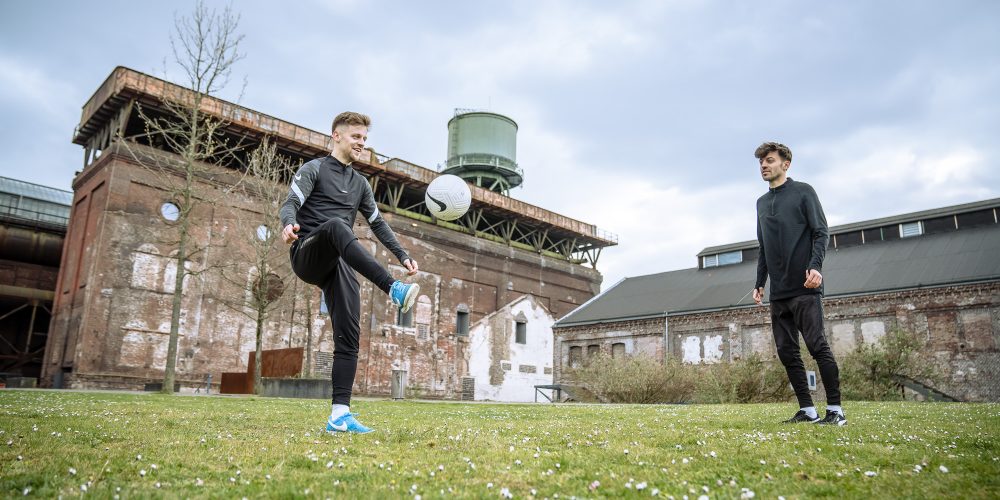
<point x="35" y="191"/>
<point x="929" y="260"/>
<point x="873" y="223"/>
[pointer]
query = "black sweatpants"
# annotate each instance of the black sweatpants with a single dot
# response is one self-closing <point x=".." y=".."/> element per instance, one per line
<point x="804" y="313"/>
<point x="328" y="258"/>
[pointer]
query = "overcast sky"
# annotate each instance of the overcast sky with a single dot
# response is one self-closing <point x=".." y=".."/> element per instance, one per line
<point x="638" y="116"/>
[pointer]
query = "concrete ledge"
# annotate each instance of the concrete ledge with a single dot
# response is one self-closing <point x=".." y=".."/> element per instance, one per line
<point x="308" y="388"/>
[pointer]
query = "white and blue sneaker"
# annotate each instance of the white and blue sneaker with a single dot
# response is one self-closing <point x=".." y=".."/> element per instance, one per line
<point x="346" y="423"/>
<point x="404" y="295"/>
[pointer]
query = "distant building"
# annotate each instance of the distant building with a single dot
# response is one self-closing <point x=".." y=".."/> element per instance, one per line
<point x="112" y="305"/>
<point x="32" y="229"/>
<point x="510" y="352"/>
<point x="935" y="273"/>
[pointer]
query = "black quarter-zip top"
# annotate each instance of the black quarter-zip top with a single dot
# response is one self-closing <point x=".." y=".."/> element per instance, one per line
<point x="793" y="236"/>
<point x="326" y="188"/>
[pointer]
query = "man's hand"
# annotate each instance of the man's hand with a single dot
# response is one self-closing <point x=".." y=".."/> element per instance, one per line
<point x="758" y="296"/>
<point x="411" y="267"/>
<point x="288" y="234"/>
<point x="813" y="279"/>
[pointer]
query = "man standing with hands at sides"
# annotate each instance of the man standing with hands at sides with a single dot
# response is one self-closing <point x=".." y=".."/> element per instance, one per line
<point x="318" y="216"/>
<point x="792" y="233"/>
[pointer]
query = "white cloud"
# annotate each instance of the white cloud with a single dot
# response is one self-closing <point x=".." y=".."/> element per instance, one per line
<point x="25" y="86"/>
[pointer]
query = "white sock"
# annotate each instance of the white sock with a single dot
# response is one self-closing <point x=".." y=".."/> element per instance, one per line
<point x="836" y="409"/>
<point x="338" y="411"/>
<point x="811" y="411"/>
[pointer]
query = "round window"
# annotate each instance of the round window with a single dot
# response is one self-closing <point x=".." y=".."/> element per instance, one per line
<point x="170" y="211"/>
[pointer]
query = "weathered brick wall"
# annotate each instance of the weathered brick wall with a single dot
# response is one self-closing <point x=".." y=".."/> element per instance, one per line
<point x="112" y="311"/>
<point x="961" y="325"/>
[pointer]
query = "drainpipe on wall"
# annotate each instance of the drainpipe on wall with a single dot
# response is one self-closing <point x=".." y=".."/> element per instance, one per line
<point x="666" y="338"/>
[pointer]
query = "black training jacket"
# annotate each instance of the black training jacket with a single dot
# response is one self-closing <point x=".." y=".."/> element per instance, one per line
<point x="792" y="233"/>
<point x="325" y="188"/>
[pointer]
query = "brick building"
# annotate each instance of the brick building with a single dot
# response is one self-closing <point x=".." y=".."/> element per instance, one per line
<point x="935" y="273"/>
<point x="112" y="304"/>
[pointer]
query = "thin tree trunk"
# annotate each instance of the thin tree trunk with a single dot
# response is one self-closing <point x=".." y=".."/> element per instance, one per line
<point x="309" y="333"/>
<point x="175" y="314"/>
<point x="261" y="317"/>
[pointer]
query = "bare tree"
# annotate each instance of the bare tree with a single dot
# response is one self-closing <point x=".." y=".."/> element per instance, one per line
<point x="205" y="46"/>
<point x="261" y="266"/>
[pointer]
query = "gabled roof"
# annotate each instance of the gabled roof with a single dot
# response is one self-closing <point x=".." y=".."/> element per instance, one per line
<point x="873" y="223"/>
<point x="957" y="257"/>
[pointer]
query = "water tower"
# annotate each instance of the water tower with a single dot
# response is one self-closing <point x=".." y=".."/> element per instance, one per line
<point x="482" y="149"/>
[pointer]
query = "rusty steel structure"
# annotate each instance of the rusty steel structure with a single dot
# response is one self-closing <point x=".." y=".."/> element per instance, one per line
<point x="32" y="228"/>
<point x="109" y="314"/>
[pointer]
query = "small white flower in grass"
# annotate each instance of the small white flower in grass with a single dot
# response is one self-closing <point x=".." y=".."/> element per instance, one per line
<point x="83" y="487"/>
<point x="157" y="484"/>
<point x="684" y="460"/>
<point x="138" y="457"/>
<point x="533" y="491"/>
<point x="558" y="466"/>
<point x="517" y="462"/>
<point x="679" y="447"/>
<point x="198" y="482"/>
<point x="417" y="497"/>
<point x="703" y="497"/>
<point x="712" y="454"/>
<point x="232" y="479"/>
<point x="511" y="449"/>
<point x="594" y="485"/>
<point x="641" y="486"/>
<point x="536" y="455"/>
<point x="340" y="465"/>
<point x="153" y="466"/>
<point x="441" y="468"/>
<point x="489" y="486"/>
<point x="142" y="472"/>
<point x="329" y="465"/>
<point x="943" y="469"/>
<point x="626" y="451"/>
<point x="19" y="458"/>
<point x="72" y="471"/>
<point x="26" y="490"/>
<point x="704" y="488"/>
<point x="504" y="492"/>
<point x="871" y="473"/>
<point x="763" y="462"/>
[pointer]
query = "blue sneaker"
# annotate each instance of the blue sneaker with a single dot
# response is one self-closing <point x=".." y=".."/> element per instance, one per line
<point x="404" y="295"/>
<point x="346" y="423"/>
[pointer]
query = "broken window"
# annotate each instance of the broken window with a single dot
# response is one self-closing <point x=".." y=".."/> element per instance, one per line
<point x="618" y="350"/>
<point x="462" y="321"/>
<point x="575" y="356"/>
<point x="404" y="319"/>
<point x="593" y="350"/>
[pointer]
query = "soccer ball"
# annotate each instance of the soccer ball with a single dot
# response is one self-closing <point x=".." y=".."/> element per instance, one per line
<point x="448" y="197"/>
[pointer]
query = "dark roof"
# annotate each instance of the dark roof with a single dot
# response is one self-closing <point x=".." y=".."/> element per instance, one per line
<point x="956" y="257"/>
<point x="873" y="223"/>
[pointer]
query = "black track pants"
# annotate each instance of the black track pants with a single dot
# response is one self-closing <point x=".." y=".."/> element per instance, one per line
<point x="328" y="258"/>
<point x="804" y="313"/>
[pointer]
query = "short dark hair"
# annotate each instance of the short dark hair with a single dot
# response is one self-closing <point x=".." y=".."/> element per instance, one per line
<point x="350" y="118"/>
<point x="767" y="147"/>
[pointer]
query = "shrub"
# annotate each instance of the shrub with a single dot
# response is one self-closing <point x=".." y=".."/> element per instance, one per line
<point x="872" y="371"/>
<point x="635" y="379"/>
<point x="748" y="380"/>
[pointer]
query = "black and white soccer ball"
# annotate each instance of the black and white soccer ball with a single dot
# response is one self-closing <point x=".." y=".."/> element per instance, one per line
<point x="448" y="197"/>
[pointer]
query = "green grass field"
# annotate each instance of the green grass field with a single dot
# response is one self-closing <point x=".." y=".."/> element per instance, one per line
<point x="142" y="445"/>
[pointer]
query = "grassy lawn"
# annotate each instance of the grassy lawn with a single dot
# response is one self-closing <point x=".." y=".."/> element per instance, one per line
<point x="140" y="445"/>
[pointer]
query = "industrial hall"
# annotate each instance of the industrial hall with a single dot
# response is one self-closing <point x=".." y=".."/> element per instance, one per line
<point x="492" y="283"/>
<point x="933" y="273"/>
